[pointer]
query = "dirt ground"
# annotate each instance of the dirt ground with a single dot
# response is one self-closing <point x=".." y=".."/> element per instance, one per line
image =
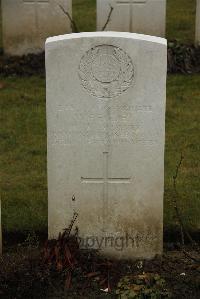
<point x="26" y="273"/>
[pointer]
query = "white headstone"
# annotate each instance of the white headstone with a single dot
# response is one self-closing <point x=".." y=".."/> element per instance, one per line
<point x="106" y="132"/>
<point x="197" y="35"/>
<point x="27" y="24"/>
<point x="140" y="16"/>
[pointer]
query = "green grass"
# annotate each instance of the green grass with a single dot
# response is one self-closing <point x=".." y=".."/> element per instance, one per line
<point x="181" y="16"/>
<point x="84" y="14"/>
<point x="1" y="42"/>
<point x="23" y="152"/>
<point x="182" y="135"/>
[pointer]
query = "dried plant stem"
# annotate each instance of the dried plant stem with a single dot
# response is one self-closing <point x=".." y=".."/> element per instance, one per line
<point x="183" y="230"/>
<point x="74" y="26"/>
<point x="69" y="229"/>
<point x="178" y="214"/>
<point x="175" y="200"/>
<point x="108" y="18"/>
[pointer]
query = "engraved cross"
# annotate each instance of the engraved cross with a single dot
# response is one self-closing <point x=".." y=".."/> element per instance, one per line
<point x="105" y="180"/>
<point x="131" y="4"/>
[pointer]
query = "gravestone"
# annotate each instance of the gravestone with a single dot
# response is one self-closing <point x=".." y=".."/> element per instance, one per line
<point x="140" y="16"/>
<point x="106" y="132"/>
<point x="197" y="34"/>
<point x="27" y="24"/>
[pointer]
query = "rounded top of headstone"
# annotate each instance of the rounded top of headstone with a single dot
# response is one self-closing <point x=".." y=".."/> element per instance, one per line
<point x="108" y="34"/>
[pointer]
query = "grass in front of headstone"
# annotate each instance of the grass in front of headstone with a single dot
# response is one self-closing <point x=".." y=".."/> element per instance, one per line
<point x="23" y="152"/>
<point x="182" y="130"/>
<point x="84" y="14"/>
<point x="1" y="45"/>
<point x="180" y="19"/>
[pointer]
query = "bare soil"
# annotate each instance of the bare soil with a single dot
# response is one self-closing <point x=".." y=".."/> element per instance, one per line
<point x="25" y="274"/>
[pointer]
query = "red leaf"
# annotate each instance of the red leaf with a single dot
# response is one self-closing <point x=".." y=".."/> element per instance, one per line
<point x="2" y="85"/>
<point x="68" y="280"/>
<point x="92" y="274"/>
<point x="59" y="265"/>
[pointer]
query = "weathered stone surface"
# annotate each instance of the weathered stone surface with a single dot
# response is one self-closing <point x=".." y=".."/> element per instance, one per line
<point x="197" y="34"/>
<point x="27" y="24"/>
<point x="139" y="16"/>
<point x="106" y="132"/>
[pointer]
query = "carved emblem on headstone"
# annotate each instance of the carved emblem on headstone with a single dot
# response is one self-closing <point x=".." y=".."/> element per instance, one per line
<point x="106" y="71"/>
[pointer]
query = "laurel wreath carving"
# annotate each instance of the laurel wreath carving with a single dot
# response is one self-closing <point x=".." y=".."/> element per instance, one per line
<point x="98" y="88"/>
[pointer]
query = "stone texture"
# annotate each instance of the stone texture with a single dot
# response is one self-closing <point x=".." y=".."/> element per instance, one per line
<point x="140" y="16"/>
<point x="27" y="24"/>
<point x="197" y="34"/>
<point x="106" y="132"/>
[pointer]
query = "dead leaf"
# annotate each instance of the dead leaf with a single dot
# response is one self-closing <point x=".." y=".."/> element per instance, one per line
<point x="92" y="274"/>
<point x="68" y="280"/>
<point x="2" y="85"/>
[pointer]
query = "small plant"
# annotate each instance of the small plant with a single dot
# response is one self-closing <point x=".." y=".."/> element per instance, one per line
<point x="61" y="254"/>
<point x="143" y="286"/>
